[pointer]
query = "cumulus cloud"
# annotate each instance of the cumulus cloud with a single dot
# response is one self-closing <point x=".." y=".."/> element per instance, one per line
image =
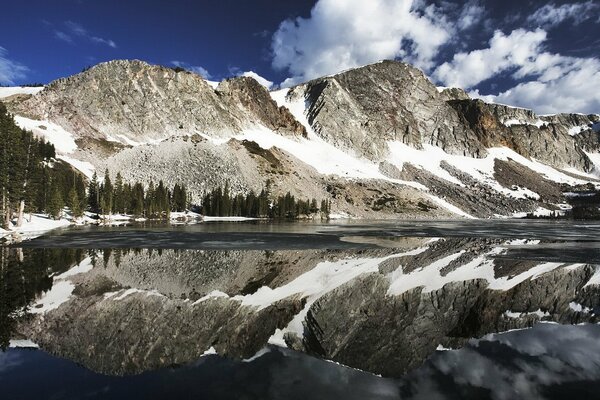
<point x="197" y="69"/>
<point x="263" y="81"/>
<point x="10" y="70"/>
<point x="575" y="87"/>
<point x="466" y="70"/>
<point x="470" y="15"/>
<point x="547" y="82"/>
<point x="551" y="15"/>
<point x="341" y="34"/>
<point x="76" y="29"/>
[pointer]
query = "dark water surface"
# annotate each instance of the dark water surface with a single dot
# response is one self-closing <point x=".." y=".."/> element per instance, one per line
<point x="140" y="311"/>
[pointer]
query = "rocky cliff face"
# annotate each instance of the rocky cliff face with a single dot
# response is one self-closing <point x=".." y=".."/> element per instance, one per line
<point x="131" y="101"/>
<point x="361" y="109"/>
<point x="378" y="141"/>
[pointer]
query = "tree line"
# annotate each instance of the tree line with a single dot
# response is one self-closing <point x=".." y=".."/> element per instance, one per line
<point x="220" y="202"/>
<point x="153" y="201"/>
<point x="31" y="178"/>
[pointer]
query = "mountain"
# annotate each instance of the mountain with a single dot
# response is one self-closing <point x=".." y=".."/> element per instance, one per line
<point x="379" y="141"/>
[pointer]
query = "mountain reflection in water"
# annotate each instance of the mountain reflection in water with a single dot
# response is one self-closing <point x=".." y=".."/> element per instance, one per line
<point x="376" y="301"/>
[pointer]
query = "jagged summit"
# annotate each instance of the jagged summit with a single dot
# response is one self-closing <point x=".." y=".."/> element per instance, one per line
<point x="378" y="141"/>
<point x="132" y="101"/>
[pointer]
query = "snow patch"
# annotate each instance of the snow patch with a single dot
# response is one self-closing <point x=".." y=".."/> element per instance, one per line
<point x="576" y="130"/>
<point x="84" y="167"/>
<point x="22" y="343"/>
<point x="12" y="90"/>
<point x="430" y="278"/>
<point x="59" y="293"/>
<point x="212" y="295"/>
<point x="579" y="308"/>
<point x="38" y="223"/>
<point x="537" y="123"/>
<point x="132" y="291"/>
<point x="539" y="313"/>
<point x="229" y="219"/>
<point x="311" y="285"/>
<point x="210" y="351"/>
<point x="63" y="141"/>
<point x="81" y="268"/>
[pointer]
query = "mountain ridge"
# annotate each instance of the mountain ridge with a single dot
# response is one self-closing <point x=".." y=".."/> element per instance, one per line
<point x="381" y="125"/>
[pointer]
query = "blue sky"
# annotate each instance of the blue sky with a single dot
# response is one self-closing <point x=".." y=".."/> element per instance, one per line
<point x="535" y="53"/>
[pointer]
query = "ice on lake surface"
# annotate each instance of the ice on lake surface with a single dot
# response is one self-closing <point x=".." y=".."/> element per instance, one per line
<point x="474" y="309"/>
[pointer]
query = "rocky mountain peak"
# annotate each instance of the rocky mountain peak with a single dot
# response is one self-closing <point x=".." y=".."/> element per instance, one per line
<point x="132" y="101"/>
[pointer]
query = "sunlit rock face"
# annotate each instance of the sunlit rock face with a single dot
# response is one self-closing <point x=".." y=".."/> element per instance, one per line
<point x="379" y="141"/>
<point x="383" y="309"/>
<point x="131" y="101"/>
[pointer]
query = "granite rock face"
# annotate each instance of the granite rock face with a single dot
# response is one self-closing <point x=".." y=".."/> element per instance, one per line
<point x="361" y="109"/>
<point x="156" y="123"/>
<point x="131" y="101"/>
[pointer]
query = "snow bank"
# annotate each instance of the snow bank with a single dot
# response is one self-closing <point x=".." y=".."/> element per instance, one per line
<point x="59" y="293"/>
<point x="81" y="268"/>
<point x="314" y="151"/>
<point x="579" y="308"/>
<point x="23" y="344"/>
<point x="12" y="90"/>
<point x="537" y="123"/>
<point x="480" y="169"/>
<point x="85" y="167"/>
<point x="229" y="219"/>
<point x="539" y="313"/>
<point x="311" y="285"/>
<point x="38" y="223"/>
<point x="63" y="141"/>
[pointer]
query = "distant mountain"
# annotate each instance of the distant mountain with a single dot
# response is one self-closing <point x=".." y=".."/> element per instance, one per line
<point x="380" y="141"/>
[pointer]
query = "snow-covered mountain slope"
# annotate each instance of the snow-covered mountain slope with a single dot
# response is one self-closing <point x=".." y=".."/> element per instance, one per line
<point x="6" y="92"/>
<point x="380" y="141"/>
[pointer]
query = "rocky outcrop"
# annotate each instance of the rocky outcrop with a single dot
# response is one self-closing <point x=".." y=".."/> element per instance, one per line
<point x="156" y="123"/>
<point x="361" y="109"/>
<point x="131" y="101"/>
<point x="520" y="130"/>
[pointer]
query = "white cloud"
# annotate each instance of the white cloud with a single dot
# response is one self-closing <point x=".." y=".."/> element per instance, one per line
<point x="78" y="30"/>
<point x="551" y="15"/>
<point x="107" y="42"/>
<point x="263" y="81"/>
<point x="571" y="86"/>
<point x="342" y="34"/>
<point x="548" y="83"/>
<point x="504" y="52"/>
<point x="197" y="69"/>
<point x="10" y="70"/>
<point x="63" y="36"/>
<point x="472" y="12"/>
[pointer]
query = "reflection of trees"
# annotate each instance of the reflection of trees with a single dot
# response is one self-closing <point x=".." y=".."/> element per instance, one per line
<point x="23" y="276"/>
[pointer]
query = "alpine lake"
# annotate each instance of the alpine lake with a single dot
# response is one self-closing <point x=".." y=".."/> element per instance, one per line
<point x="482" y="309"/>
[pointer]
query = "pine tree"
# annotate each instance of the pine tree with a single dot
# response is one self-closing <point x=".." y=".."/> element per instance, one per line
<point x="94" y="194"/>
<point x="119" y="200"/>
<point x="56" y="202"/>
<point x="74" y="203"/>
<point x="106" y="195"/>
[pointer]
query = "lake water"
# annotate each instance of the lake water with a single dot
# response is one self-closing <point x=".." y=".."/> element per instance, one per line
<point x="383" y="310"/>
